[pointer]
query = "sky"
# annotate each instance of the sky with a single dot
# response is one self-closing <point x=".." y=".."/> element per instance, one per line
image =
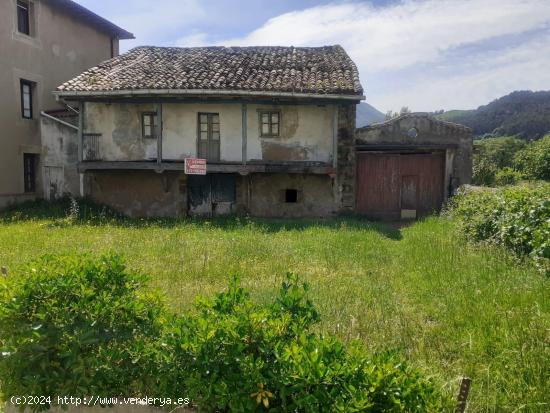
<point x="424" y="54"/>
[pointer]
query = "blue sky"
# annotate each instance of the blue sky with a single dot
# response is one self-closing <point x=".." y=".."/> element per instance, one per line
<point x="424" y="54"/>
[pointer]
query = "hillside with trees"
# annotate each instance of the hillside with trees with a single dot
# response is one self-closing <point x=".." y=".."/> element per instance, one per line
<point x="524" y="114"/>
<point x="368" y="114"/>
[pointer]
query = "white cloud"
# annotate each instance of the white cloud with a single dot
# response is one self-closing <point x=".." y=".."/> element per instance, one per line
<point x="156" y="25"/>
<point x="491" y="76"/>
<point x="410" y="35"/>
<point x="195" y="39"/>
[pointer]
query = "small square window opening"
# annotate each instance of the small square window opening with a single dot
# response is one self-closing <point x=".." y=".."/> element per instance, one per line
<point x="291" y="196"/>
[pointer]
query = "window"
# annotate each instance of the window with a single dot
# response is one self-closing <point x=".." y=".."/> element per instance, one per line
<point x="26" y="99"/>
<point x="29" y="171"/>
<point x="291" y="196"/>
<point x="209" y="136"/>
<point x="270" y="123"/>
<point x="148" y="124"/>
<point x="23" y="17"/>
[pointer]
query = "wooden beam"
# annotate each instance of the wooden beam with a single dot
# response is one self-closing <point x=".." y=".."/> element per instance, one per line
<point x="244" y="132"/>
<point x="291" y="168"/>
<point x="80" y="130"/>
<point x="158" y="132"/>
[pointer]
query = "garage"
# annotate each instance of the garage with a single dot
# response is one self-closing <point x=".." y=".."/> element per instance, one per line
<point x="408" y="166"/>
<point x="394" y="186"/>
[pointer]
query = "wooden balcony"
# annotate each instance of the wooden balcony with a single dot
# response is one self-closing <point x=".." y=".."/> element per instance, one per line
<point x="292" y="167"/>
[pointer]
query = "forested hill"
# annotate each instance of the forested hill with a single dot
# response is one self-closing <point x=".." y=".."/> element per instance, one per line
<point x="522" y="113"/>
<point x="367" y="114"/>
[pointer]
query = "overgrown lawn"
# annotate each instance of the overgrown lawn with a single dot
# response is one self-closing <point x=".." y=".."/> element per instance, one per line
<point x="451" y="307"/>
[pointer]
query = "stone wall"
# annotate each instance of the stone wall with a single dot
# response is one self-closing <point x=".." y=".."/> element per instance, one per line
<point x="264" y="195"/>
<point x="346" y="158"/>
<point x="140" y="193"/>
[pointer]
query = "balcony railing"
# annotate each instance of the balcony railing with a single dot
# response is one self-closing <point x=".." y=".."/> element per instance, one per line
<point x="90" y="147"/>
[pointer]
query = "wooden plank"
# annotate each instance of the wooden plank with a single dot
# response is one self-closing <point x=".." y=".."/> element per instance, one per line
<point x="302" y="168"/>
<point x="244" y="126"/>
<point x="378" y="185"/>
<point x="463" y="395"/>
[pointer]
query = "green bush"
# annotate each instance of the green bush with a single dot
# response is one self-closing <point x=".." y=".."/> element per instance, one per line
<point x="71" y="328"/>
<point x="483" y="172"/>
<point x="507" y="176"/>
<point x="492" y="155"/>
<point x="516" y="217"/>
<point x="534" y="160"/>
<point x="235" y="356"/>
<point x="76" y="327"/>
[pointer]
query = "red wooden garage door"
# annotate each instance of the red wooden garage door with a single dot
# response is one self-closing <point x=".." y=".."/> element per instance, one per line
<point x="389" y="185"/>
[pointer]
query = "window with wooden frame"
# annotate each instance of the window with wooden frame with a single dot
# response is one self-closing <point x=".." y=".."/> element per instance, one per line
<point x="23" y="17"/>
<point x="270" y="123"/>
<point x="26" y="88"/>
<point x="149" y="125"/>
<point x="29" y="171"/>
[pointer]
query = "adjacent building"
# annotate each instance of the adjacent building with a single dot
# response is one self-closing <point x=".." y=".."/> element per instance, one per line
<point x="42" y="44"/>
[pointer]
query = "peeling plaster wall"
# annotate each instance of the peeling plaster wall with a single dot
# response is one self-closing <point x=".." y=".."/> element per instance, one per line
<point x="430" y="132"/>
<point x="264" y="195"/>
<point x="59" y="159"/>
<point x="140" y="193"/>
<point x="120" y="128"/>
<point x="306" y="132"/>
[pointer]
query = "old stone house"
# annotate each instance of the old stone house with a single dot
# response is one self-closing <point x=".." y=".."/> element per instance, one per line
<point x="275" y="124"/>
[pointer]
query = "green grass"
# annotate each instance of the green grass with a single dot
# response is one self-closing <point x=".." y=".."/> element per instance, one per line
<point x="452" y="308"/>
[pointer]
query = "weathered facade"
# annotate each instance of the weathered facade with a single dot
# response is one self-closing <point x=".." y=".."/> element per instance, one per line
<point x="42" y="43"/>
<point x="275" y="124"/>
<point x="408" y="166"/>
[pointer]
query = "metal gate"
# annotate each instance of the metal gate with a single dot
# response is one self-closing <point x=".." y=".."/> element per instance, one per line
<point x="393" y="186"/>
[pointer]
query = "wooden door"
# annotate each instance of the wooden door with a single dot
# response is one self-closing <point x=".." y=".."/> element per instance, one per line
<point x="389" y="183"/>
<point x="209" y="136"/>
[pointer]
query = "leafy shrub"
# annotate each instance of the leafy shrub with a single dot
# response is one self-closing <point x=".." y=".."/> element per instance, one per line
<point x="516" y="217"/>
<point x="76" y="327"/>
<point x="82" y="328"/>
<point x="534" y="160"/>
<point x="492" y="155"/>
<point x="507" y="176"/>
<point x="235" y="356"/>
<point x="483" y="172"/>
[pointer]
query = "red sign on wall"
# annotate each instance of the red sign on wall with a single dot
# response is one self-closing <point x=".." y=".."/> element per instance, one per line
<point x="195" y="166"/>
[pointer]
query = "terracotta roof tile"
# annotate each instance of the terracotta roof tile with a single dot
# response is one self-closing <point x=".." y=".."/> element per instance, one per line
<point x="317" y="70"/>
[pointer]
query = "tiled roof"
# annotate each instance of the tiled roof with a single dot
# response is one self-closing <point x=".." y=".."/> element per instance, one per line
<point x="308" y="70"/>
